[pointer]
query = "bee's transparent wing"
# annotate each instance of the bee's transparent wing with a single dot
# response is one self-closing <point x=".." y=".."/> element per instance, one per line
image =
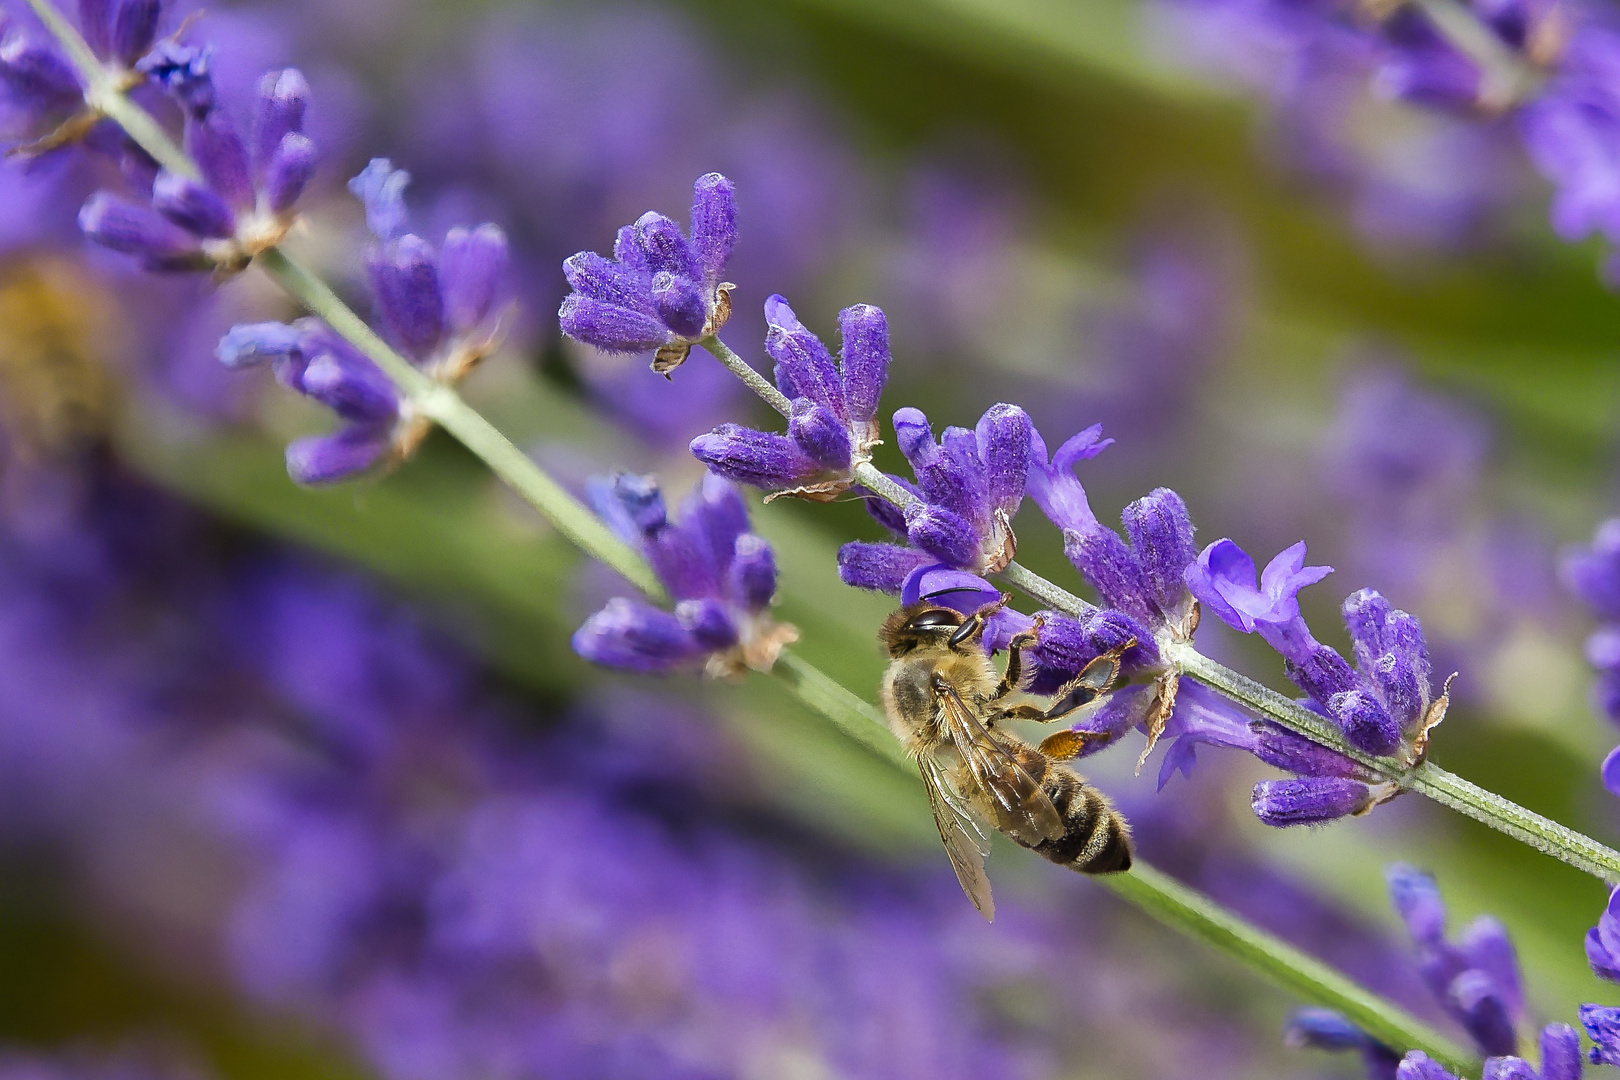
<point x="964" y="843"/>
<point x="1021" y="808"/>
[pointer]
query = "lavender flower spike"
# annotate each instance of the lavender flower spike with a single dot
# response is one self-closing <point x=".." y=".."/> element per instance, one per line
<point x="661" y="292"/>
<point x="722" y="576"/>
<point x="1603" y="941"/>
<point x="833" y="426"/>
<point x="240" y="205"/>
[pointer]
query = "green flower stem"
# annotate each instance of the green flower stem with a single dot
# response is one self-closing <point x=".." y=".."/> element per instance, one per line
<point x="1284" y="966"/>
<point x="1446" y="788"/>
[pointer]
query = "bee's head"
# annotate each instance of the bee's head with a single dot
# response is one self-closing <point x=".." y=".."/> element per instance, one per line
<point x="918" y="625"/>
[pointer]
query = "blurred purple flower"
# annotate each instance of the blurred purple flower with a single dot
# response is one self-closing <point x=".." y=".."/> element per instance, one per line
<point x="721" y="576"/>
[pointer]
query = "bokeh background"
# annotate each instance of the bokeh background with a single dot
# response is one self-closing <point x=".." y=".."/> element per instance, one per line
<point x="308" y="785"/>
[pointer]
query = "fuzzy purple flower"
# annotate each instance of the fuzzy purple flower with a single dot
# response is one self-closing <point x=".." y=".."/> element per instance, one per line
<point x="662" y="291"/>
<point x="1592" y="575"/>
<point x="969" y="487"/>
<point x="241" y="202"/>
<point x="833" y="424"/>
<point x="309" y="357"/>
<point x="1385" y="699"/>
<point x="721" y="576"/>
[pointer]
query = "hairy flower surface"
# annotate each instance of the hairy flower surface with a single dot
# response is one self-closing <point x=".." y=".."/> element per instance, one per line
<point x="662" y="291"/>
<point x="721" y="576"/>
<point x="833" y="425"/>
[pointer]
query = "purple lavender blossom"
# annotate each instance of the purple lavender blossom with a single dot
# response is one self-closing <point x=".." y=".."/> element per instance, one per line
<point x="1386" y="699"/>
<point x="439" y="307"/>
<point x="662" y="291"/>
<point x="721" y="576"/>
<point x="969" y="487"/>
<point x="833" y="425"/>
<point x="309" y="357"/>
<point x="38" y="81"/>
<point x="242" y="202"/>
<point x="1603" y="941"/>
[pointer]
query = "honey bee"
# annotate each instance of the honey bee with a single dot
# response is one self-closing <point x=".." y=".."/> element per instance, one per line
<point x="944" y="702"/>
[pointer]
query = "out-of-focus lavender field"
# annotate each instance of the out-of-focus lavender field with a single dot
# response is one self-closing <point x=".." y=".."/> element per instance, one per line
<point x="309" y="784"/>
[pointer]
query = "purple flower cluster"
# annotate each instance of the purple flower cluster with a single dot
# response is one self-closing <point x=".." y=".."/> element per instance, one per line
<point x="721" y="576"/>
<point x="38" y="82"/>
<point x="833" y="424"/>
<point x="242" y="200"/>
<point x="1592" y="574"/>
<point x="1383" y="703"/>
<point x="437" y="306"/>
<point x="662" y="291"/>
<point x="1476" y="980"/>
<point x="969" y="487"/>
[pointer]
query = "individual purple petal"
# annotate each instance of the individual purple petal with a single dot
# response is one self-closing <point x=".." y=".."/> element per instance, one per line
<point x="969" y="491"/>
<point x="1002" y="440"/>
<point x="140" y="231"/>
<point x="1223" y="580"/>
<point x="664" y="247"/>
<point x="1416" y="899"/>
<point x="288" y="172"/>
<point x="283" y="100"/>
<point x="864" y="360"/>
<point x="820" y="434"/>
<point x="1603" y="941"/>
<point x="760" y="459"/>
<point x="1402" y="673"/>
<point x="714" y="225"/>
<point x="801" y="359"/>
<point x="95" y="22"/>
<point x="914" y="437"/>
<point x="1610" y="771"/>
<point x="1560" y="1053"/>
<point x="1325" y="1029"/>
<point x="1318" y="670"/>
<point x="682" y="561"/>
<point x="1365" y="722"/>
<point x="715" y="509"/>
<point x="880" y="567"/>
<point x="1366" y="613"/>
<point x="1486" y="946"/>
<point x="635" y="637"/>
<point x="405" y="280"/>
<point x="1602" y="1026"/>
<point x="471" y="266"/>
<point x="355" y="391"/>
<point x="1112" y="568"/>
<point x="1121" y="711"/>
<point x="707" y="620"/>
<point x="610" y="327"/>
<point x="247" y="344"/>
<point x="752" y="577"/>
<point x="956" y="589"/>
<point x="1508" y="1068"/>
<point x="221" y="158"/>
<point x="1161" y="534"/>
<point x="943" y="534"/>
<point x="1309" y="800"/>
<point x="1053" y="485"/>
<point x="1417" y="1065"/>
<point x="680" y="304"/>
<point x="37" y="76"/>
<point x="609" y="281"/>
<point x="326" y="459"/>
<point x="1485" y="1011"/>
<point x="381" y="188"/>
<point x="1279" y="747"/>
<point x="133" y="28"/>
<point x="192" y="206"/>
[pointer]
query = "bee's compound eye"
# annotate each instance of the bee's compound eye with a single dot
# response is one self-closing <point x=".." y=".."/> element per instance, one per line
<point x="938" y="618"/>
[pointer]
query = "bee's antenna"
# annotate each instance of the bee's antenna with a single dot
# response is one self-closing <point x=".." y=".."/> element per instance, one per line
<point x="952" y="589"/>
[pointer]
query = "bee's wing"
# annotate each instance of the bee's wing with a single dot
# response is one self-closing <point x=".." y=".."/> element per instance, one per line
<point x="1021" y="808"/>
<point x="964" y="843"/>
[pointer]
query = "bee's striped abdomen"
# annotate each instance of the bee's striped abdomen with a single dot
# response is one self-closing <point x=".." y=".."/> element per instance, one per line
<point x="1096" y="839"/>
